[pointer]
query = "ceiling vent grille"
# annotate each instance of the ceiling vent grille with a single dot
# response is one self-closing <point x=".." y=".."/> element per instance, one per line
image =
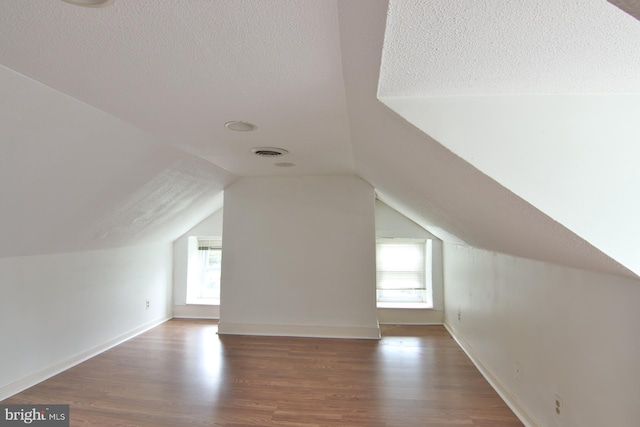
<point x="269" y="151"/>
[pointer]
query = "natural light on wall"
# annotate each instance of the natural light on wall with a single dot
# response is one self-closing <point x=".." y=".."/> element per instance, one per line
<point x="204" y="266"/>
<point x="403" y="270"/>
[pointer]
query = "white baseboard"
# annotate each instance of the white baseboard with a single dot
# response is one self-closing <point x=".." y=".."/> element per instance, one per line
<point x="401" y="316"/>
<point x="196" y="317"/>
<point x="412" y="324"/>
<point x="514" y="404"/>
<point x="37" y="377"/>
<point x="227" y="328"/>
<point x="192" y="311"/>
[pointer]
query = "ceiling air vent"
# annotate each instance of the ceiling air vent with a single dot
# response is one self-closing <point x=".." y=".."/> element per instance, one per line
<point x="268" y="151"/>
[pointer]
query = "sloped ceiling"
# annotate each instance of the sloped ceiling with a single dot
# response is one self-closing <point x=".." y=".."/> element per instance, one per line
<point x="112" y="120"/>
<point x="180" y="70"/>
<point x="74" y="178"/>
<point x="423" y="179"/>
<point x="543" y="97"/>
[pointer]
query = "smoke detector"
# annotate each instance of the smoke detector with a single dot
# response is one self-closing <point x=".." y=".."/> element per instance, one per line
<point x="269" y="151"/>
<point x="239" y="126"/>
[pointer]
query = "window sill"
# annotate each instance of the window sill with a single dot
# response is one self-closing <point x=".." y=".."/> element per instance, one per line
<point x="406" y="305"/>
<point x="205" y="303"/>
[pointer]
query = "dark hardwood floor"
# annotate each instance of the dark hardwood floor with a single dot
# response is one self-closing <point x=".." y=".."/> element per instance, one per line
<point x="182" y="373"/>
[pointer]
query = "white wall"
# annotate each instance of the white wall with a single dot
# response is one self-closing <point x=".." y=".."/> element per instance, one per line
<point x="212" y="227"/>
<point x="299" y="257"/>
<point x="57" y="310"/>
<point x="391" y="223"/>
<point x="574" y="333"/>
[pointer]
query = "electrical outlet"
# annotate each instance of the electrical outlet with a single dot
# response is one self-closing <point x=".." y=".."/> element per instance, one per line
<point x="559" y="406"/>
<point x="459" y="315"/>
<point x="518" y="370"/>
<point x="147" y="305"/>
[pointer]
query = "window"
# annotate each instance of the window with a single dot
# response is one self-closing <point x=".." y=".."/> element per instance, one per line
<point x="403" y="272"/>
<point x="203" y="276"/>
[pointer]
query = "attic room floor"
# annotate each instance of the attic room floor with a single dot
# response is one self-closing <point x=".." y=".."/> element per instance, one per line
<point x="182" y="373"/>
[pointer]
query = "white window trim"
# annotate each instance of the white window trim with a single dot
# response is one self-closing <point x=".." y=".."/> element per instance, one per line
<point x="193" y="273"/>
<point x="406" y="305"/>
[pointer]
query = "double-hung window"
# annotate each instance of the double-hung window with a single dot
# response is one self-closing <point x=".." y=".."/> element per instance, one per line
<point x="204" y="267"/>
<point x="403" y="272"/>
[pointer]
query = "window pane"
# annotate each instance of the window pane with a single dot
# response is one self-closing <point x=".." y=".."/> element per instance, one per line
<point x="400" y="265"/>
<point x="401" y="280"/>
<point x="203" y="270"/>
<point x="210" y="286"/>
<point x="400" y="257"/>
<point x="402" y="295"/>
<point x="401" y="271"/>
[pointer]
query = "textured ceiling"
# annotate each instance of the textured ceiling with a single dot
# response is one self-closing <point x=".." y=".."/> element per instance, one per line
<point x="180" y="70"/>
<point x="112" y="118"/>
<point x="424" y="180"/>
<point x="444" y="47"/>
<point x="543" y="98"/>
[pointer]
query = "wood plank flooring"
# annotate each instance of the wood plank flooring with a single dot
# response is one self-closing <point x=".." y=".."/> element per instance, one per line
<point x="182" y="373"/>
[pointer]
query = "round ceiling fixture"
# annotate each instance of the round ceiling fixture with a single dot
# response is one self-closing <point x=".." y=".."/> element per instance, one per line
<point x="240" y="126"/>
<point x="269" y="151"/>
<point x="90" y="3"/>
<point x="285" y="165"/>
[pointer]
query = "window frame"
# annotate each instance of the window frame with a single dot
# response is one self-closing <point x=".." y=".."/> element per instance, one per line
<point x="427" y="299"/>
<point x="194" y="272"/>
